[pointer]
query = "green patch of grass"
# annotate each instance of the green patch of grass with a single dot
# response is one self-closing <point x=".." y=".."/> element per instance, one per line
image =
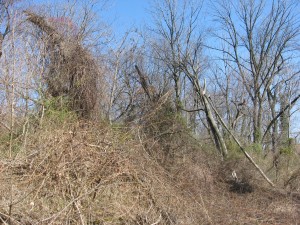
<point x="255" y="148"/>
<point x="234" y="151"/>
<point x="57" y="110"/>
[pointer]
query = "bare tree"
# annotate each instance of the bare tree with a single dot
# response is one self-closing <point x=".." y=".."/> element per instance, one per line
<point x="5" y="20"/>
<point x="176" y="24"/>
<point x="260" y="36"/>
<point x="177" y="38"/>
<point x="230" y="96"/>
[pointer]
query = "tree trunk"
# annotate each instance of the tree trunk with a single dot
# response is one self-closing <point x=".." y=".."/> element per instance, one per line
<point x="274" y="130"/>
<point x="257" y="117"/>
<point x="284" y="120"/>
<point x="1" y="43"/>
<point x="178" y="103"/>
<point x="218" y="138"/>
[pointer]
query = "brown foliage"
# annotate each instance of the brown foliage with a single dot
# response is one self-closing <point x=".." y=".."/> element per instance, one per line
<point x="89" y="173"/>
<point x="72" y="71"/>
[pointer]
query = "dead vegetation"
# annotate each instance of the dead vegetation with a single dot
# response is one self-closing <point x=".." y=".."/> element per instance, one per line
<point x="83" y="173"/>
<point x="62" y="162"/>
<point x="71" y="72"/>
<point x="79" y="172"/>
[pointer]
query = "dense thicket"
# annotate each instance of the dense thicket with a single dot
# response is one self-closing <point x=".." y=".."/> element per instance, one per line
<point x="72" y="72"/>
<point x="163" y="125"/>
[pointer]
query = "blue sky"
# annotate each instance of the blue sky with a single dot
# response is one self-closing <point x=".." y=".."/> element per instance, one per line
<point x="121" y="14"/>
<point x="135" y="13"/>
<point x="126" y="14"/>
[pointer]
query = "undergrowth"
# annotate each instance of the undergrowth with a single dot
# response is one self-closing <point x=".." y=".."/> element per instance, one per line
<point x="70" y="171"/>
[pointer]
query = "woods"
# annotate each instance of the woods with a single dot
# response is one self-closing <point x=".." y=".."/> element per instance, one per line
<point x="201" y="84"/>
<point x="255" y="70"/>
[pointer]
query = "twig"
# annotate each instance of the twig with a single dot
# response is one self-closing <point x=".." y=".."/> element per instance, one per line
<point x="191" y="110"/>
<point x="98" y="146"/>
<point x="74" y="200"/>
<point x="8" y="218"/>
<point x="6" y="127"/>
<point x="79" y="212"/>
<point x="158" y="220"/>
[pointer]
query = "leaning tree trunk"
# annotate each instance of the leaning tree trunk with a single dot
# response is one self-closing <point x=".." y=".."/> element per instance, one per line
<point x="218" y="138"/>
<point x="212" y="124"/>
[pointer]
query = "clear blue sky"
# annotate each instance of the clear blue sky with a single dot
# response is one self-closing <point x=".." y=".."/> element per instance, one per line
<point x="126" y="14"/>
<point x="121" y="14"/>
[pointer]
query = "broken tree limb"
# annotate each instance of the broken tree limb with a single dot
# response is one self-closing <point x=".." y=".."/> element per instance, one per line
<point x="143" y="82"/>
<point x="191" y="110"/>
<point x="239" y="144"/>
<point x="279" y="114"/>
<point x="216" y="134"/>
<point x="214" y="127"/>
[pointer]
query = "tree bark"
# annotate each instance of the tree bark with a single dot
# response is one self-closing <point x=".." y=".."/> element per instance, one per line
<point x="284" y="119"/>
<point x="1" y="43"/>
<point x="218" y="138"/>
<point x="212" y="124"/>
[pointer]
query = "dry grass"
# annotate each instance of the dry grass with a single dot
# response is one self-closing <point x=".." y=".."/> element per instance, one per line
<point x="88" y="174"/>
<point x="82" y="173"/>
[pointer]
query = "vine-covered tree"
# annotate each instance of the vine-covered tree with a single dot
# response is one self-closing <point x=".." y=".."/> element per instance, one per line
<point x="72" y="71"/>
